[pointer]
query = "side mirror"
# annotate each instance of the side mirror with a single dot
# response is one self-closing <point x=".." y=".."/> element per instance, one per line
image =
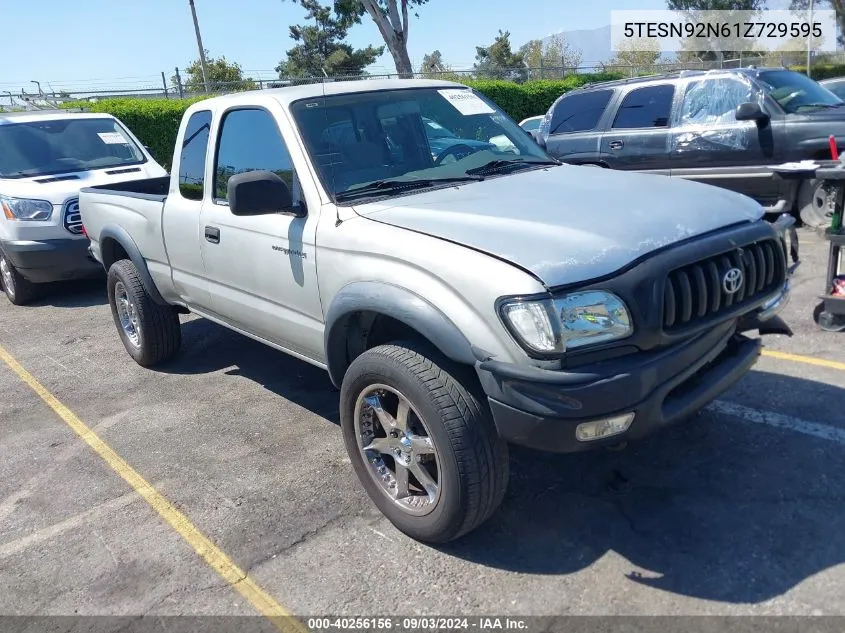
<point x="751" y="111"/>
<point x="258" y="192"/>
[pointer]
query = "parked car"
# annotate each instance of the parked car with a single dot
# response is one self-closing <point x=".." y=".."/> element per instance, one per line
<point x="836" y="85"/>
<point x="724" y="128"/>
<point x="532" y="123"/>
<point x="458" y="307"/>
<point x="45" y="157"/>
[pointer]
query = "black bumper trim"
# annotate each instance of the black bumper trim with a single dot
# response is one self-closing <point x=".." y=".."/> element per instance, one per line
<point x="661" y="391"/>
<point x="52" y="260"/>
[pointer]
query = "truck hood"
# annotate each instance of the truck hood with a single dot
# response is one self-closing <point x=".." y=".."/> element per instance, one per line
<point x="57" y="188"/>
<point x="568" y="224"/>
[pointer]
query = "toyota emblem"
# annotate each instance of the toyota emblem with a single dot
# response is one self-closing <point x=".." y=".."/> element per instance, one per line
<point x="732" y="281"/>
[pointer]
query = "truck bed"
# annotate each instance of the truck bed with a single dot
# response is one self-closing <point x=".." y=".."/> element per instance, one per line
<point x="132" y="208"/>
<point x="144" y="188"/>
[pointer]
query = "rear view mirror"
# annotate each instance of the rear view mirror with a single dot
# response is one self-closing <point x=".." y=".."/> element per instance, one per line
<point x="258" y="192"/>
<point x="751" y="111"/>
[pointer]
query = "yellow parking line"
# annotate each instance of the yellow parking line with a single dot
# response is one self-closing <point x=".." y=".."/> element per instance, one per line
<point x="809" y="360"/>
<point x="210" y="553"/>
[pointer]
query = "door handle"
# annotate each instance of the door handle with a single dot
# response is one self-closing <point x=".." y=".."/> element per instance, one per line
<point x="616" y="145"/>
<point x="212" y="234"/>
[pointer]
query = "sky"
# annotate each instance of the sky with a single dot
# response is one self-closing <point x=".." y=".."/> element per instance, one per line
<point x="110" y="44"/>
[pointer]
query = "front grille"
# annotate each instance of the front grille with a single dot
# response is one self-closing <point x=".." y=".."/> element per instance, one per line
<point x="703" y="289"/>
<point x="72" y="219"/>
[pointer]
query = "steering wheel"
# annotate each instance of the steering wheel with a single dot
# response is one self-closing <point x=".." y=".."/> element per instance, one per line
<point x="460" y="148"/>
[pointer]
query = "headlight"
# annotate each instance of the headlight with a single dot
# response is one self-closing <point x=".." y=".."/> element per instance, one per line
<point x="550" y="326"/>
<point x="23" y="209"/>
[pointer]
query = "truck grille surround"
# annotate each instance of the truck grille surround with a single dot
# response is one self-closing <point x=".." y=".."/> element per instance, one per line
<point x="71" y="218"/>
<point x="710" y="286"/>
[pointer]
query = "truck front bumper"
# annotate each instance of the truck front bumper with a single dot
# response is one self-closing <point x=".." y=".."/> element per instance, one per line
<point x="558" y="411"/>
<point x="51" y="260"/>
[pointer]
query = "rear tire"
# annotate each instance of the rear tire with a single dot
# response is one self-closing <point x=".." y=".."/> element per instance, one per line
<point x="150" y="332"/>
<point x="17" y="289"/>
<point x="446" y="429"/>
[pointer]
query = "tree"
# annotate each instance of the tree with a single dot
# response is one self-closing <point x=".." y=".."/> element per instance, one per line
<point x="222" y="75"/>
<point x="837" y="5"/>
<point x="391" y="18"/>
<point x="715" y="51"/>
<point x="321" y="49"/>
<point x="433" y="63"/>
<point x="498" y="61"/>
<point x="552" y="56"/>
<point x="639" y="56"/>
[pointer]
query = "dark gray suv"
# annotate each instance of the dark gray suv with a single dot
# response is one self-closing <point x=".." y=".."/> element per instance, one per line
<point x="723" y="127"/>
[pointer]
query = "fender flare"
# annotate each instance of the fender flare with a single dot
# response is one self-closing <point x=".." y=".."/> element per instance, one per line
<point x="397" y="303"/>
<point x="122" y="237"/>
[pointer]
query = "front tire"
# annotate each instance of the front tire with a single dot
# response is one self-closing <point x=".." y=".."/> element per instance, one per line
<point x="17" y="289"/>
<point x="422" y="441"/>
<point x="150" y="332"/>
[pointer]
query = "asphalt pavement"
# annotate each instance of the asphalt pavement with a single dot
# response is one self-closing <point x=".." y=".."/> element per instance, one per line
<point x="738" y="511"/>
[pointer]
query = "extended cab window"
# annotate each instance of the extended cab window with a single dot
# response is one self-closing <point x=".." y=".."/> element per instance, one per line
<point x="192" y="159"/>
<point x="646" y="107"/>
<point x="250" y="140"/>
<point x="579" y="112"/>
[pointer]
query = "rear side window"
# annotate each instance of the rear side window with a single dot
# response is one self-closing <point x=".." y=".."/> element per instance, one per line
<point x="192" y="159"/>
<point x="579" y="112"/>
<point x="646" y="107"/>
<point x="250" y="140"/>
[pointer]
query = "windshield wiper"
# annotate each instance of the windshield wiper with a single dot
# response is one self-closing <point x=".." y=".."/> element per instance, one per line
<point x="820" y="105"/>
<point x="392" y="186"/>
<point x="501" y="164"/>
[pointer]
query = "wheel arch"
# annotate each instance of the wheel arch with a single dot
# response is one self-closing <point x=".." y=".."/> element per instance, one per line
<point x="364" y="314"/>
<point x="115" y="244"/>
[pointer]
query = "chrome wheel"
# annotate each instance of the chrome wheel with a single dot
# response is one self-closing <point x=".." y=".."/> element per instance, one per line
<point x="816" y="204"/>
<point x="127" y="313"/>
<point x="6" y="274"/>
<point x="397" y="449"/>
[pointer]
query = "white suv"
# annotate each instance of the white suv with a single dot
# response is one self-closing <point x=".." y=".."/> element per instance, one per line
<point x="45" y="158"/>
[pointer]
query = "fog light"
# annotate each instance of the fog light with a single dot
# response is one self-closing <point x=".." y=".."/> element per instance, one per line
<point x="606" y="427"/>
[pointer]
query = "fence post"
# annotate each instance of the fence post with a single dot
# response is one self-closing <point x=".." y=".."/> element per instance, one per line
<point x="164" y="83"/>
<point x="179" y="84"/>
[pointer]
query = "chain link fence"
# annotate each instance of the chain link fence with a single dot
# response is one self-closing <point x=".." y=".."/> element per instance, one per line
<point x="177" y="88"/>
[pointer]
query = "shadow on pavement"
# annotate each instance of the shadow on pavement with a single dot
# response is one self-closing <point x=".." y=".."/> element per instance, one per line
<point x="73" y="294"/>
<point x="208" y="347"/>
<point x="716" y="508"/>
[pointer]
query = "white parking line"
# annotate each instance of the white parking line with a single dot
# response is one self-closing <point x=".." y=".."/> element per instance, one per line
<point x="779" y="421"/>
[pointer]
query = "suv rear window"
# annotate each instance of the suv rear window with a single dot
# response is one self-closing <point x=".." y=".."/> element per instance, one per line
<point x="579" y="112"/>
<point x="646" y="107"/>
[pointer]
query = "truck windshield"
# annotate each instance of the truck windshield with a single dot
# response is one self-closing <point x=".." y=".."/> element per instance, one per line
<point x="795" y="92"/>
<point x="56" y="146"/>
<point x="385" y="142"/>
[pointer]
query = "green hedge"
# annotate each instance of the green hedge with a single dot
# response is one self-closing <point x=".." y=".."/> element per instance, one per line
<point x="823" y="71"/>
<point x="532" y="98"/>
<point x="156" y="121"/>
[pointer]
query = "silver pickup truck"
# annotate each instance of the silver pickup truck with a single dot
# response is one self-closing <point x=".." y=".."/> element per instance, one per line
<point x="463" y="291"/>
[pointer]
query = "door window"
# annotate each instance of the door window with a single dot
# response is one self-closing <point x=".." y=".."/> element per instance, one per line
<point x="578" y="112"/>
<point x="645" y="107"/>
<point x="192" y="158"/>
<point x="707" y="117"/>
<point x="250" y="140"/>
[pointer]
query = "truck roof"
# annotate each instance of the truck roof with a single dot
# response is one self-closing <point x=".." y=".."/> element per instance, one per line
<point x="288" y="94"/>
<point x="28" y="116"/>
